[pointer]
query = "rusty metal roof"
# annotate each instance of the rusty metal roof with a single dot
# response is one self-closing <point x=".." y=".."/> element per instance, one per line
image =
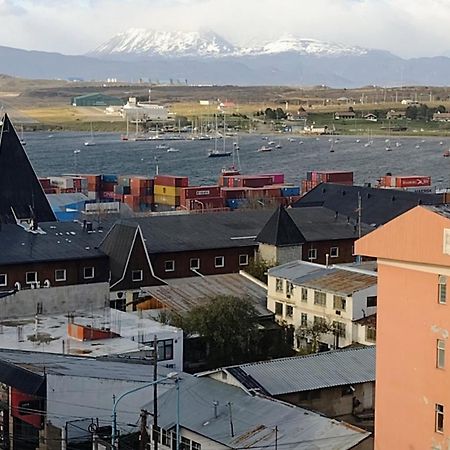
<point x="182" y="294"/>
<point x="339" y="281"/>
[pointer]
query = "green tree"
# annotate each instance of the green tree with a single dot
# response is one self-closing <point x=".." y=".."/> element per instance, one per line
<point x="229" y="326"/>
<point x="411" y="112"/>
<point x="313" y="332"/>
<point x="258" y="267"/>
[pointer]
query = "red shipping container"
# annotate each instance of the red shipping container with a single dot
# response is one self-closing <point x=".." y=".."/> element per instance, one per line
<point x="45" y="183"/>
<point x="200" y="192"/>
<point x="67" y="190"/>
<point x="50" y="191"/>
<point x="413" y="181"/>
<point x="169" y="180"/>
<point x="277" y="178"/>
<point x="232" y="193"/>
<point x="108" y="187"/>
<point x="254" y="181"/>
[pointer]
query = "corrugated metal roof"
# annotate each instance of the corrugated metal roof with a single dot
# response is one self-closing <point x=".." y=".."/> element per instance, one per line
<point x="294" y="269"/>
<point x="254" y="419"/>
<point x="339" y="281"/>
<point x="183" y="294"/>
<point x="305" y="373"/>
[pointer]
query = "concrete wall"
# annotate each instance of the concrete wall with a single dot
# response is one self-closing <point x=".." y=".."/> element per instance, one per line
<point x="55" y="300"/>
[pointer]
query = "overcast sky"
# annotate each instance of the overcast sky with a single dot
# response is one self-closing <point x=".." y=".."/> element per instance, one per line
<point x="405" y="27"/>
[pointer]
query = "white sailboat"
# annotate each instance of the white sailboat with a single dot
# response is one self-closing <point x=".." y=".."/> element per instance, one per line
<point x="90" y="142"/>
<point x="217" y="153"/>
<point x="22" y="140"/>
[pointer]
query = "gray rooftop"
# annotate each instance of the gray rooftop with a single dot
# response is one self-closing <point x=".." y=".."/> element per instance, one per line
<point x="183" y="294"/>
<point x="57" y="241"/>
<point x="254" y="419"/>
<point x="79" y="366"/>
<point x="305" y="373"/>
<point x="294" y="269"/>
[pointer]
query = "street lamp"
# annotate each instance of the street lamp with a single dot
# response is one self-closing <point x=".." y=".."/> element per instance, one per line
<point x="170" y="376"/>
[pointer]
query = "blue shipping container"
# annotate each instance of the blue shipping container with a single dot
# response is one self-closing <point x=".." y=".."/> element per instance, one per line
<point x="234" y="203"/>
<point x="290" y="191"/>
<point x="110" y="178"/>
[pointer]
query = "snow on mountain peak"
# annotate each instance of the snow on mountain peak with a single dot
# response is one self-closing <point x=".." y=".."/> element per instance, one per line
<point x="166" y="43"/>
<point x="289" y="43"/>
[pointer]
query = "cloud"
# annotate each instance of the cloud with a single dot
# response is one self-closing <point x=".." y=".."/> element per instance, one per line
<point x="405" y="27"/>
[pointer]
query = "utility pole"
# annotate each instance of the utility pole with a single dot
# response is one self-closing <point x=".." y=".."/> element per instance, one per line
<point x="143" y="439"/>
<point x="231" y="420"/>
<point x="155" y="393"/>
<point x="276" y="438"/>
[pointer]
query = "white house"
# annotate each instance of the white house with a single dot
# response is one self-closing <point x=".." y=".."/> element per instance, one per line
<point x="303" y="294"/>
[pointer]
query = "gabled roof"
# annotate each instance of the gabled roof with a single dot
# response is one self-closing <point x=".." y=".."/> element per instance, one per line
<point x="21" y="196"/>
<point x="118" y="245"/>
<point x="378" y="205"/>
<point x="305" y="373"/>
<point x="280" y="230"/>
<point x="254" y="419"/>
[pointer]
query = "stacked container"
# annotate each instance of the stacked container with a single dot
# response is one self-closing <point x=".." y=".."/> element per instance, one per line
<point x="167" y="189"/>
<point x="201" y="198"/>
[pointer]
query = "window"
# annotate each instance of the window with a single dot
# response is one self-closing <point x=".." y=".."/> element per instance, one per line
<point x="278" y="308"/>
<point x="3" y="279"/>
<point x="339" y="329"/>
<point x="194" y="263"/>
<point x="88" y="272"/>
<point x="334" y="252"/>
<point x="304" y="294"/>
<point x="60" y="275"/>
<point x="185" y="443"/>
<point x="439" y="418"/>
<point x="165" y="437"/>
<point x="371" y="334"/>
<point x="156" y="433"/>
<point x="319" y="321"/>
<point x="196" y="446"/>
<point x="289" y="289"/>
<point x="440" y="354"/>
<point x="371" y="301"/>
<point x="169" y="266"/>
<point x="347" y="390"/>
<point x="219" y="261"/>
<point x="289" y="310"/>
<point x="320" y="298"/>
<point x="339" y="302"/>
<point x="165" y="350"/>
<point x="312" y="253"/>
<point x="442" y="293"/>
<point x="137" y="275"/>
<point x="304" y="320"/>
<point x="279" y="285"/>
<point x="31" y="277"/>
<point x="243" y="260"/>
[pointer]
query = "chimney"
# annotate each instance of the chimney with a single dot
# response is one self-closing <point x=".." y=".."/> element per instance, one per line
<point x="215" y="404"/>
<point x="327" y="260"/>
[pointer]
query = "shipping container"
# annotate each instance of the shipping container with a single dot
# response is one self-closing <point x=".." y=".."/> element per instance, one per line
<point x="410" y="181"/>
<point x="200" y="192"/>
<point x="289" y="191"/>
<point x="167" y="190"/>
<point x="62" y="182"/>
<point x="45" y="183"/>
<point x="252" y="181"/>
<point x="231" y="193"/>
<point x="109" y="178"/>
<point x="203" y="204"/>
<point x="169" y="180"/>
<point x="277" y="178"/>
<point x="235" y="203"/>
<point x="108" y="187"/>
<point x="166" y="200"/>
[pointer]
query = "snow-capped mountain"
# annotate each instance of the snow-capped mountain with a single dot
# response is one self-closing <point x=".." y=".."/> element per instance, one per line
<point x="311" y="47"/>
<point x="142" y="42"/>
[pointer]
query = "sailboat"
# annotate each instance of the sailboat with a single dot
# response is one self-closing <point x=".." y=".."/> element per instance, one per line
<point x="22" y="140"/>
<point x="332" y="146"/>
<point x="369" y="140"/>
<point x="90" y="142"/>
<point x="125" y="137"/>
<point x="217" y="153"/>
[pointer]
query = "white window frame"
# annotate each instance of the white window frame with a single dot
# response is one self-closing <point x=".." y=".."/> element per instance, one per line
<point x="172" y="262"/>
<point x="304" y="298"/>
<point x="197" y="266"/>
<point x="279" y="283"/>
<point x="336" y="255"/>
<point x="440" y="354"/>
<point x="5" y="277"/>
<point x="314" y="253"/>
<point x="89" y="277"/>
<point x="219" y="265"/>
<point x="64" y="278"/>
<point x="245" y="263"/>
<point x="323" y="299"/>
<point x="35" y="277"/>
<point x="304" y="323"/>
<point x="292" y="313"/>
<point x="282" y="309"/>
<point x="138" y="271"/>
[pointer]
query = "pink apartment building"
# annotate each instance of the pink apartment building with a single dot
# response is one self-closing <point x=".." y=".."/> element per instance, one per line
<point x="412" y="404"/>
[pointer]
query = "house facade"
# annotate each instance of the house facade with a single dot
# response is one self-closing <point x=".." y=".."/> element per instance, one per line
<point x="413" y="386"/>
<point x="331" y="299"/>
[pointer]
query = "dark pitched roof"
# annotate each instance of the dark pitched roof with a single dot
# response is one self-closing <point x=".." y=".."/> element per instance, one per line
<point x="378" y="205"/>
<point x="280" y="230"/>
<point x="117" y="245"/>
<point x="20" y="189"/>
<point x="54" y="241"/>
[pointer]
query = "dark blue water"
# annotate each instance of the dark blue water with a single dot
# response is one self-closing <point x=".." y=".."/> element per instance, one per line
<point x="416" y="156"/>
